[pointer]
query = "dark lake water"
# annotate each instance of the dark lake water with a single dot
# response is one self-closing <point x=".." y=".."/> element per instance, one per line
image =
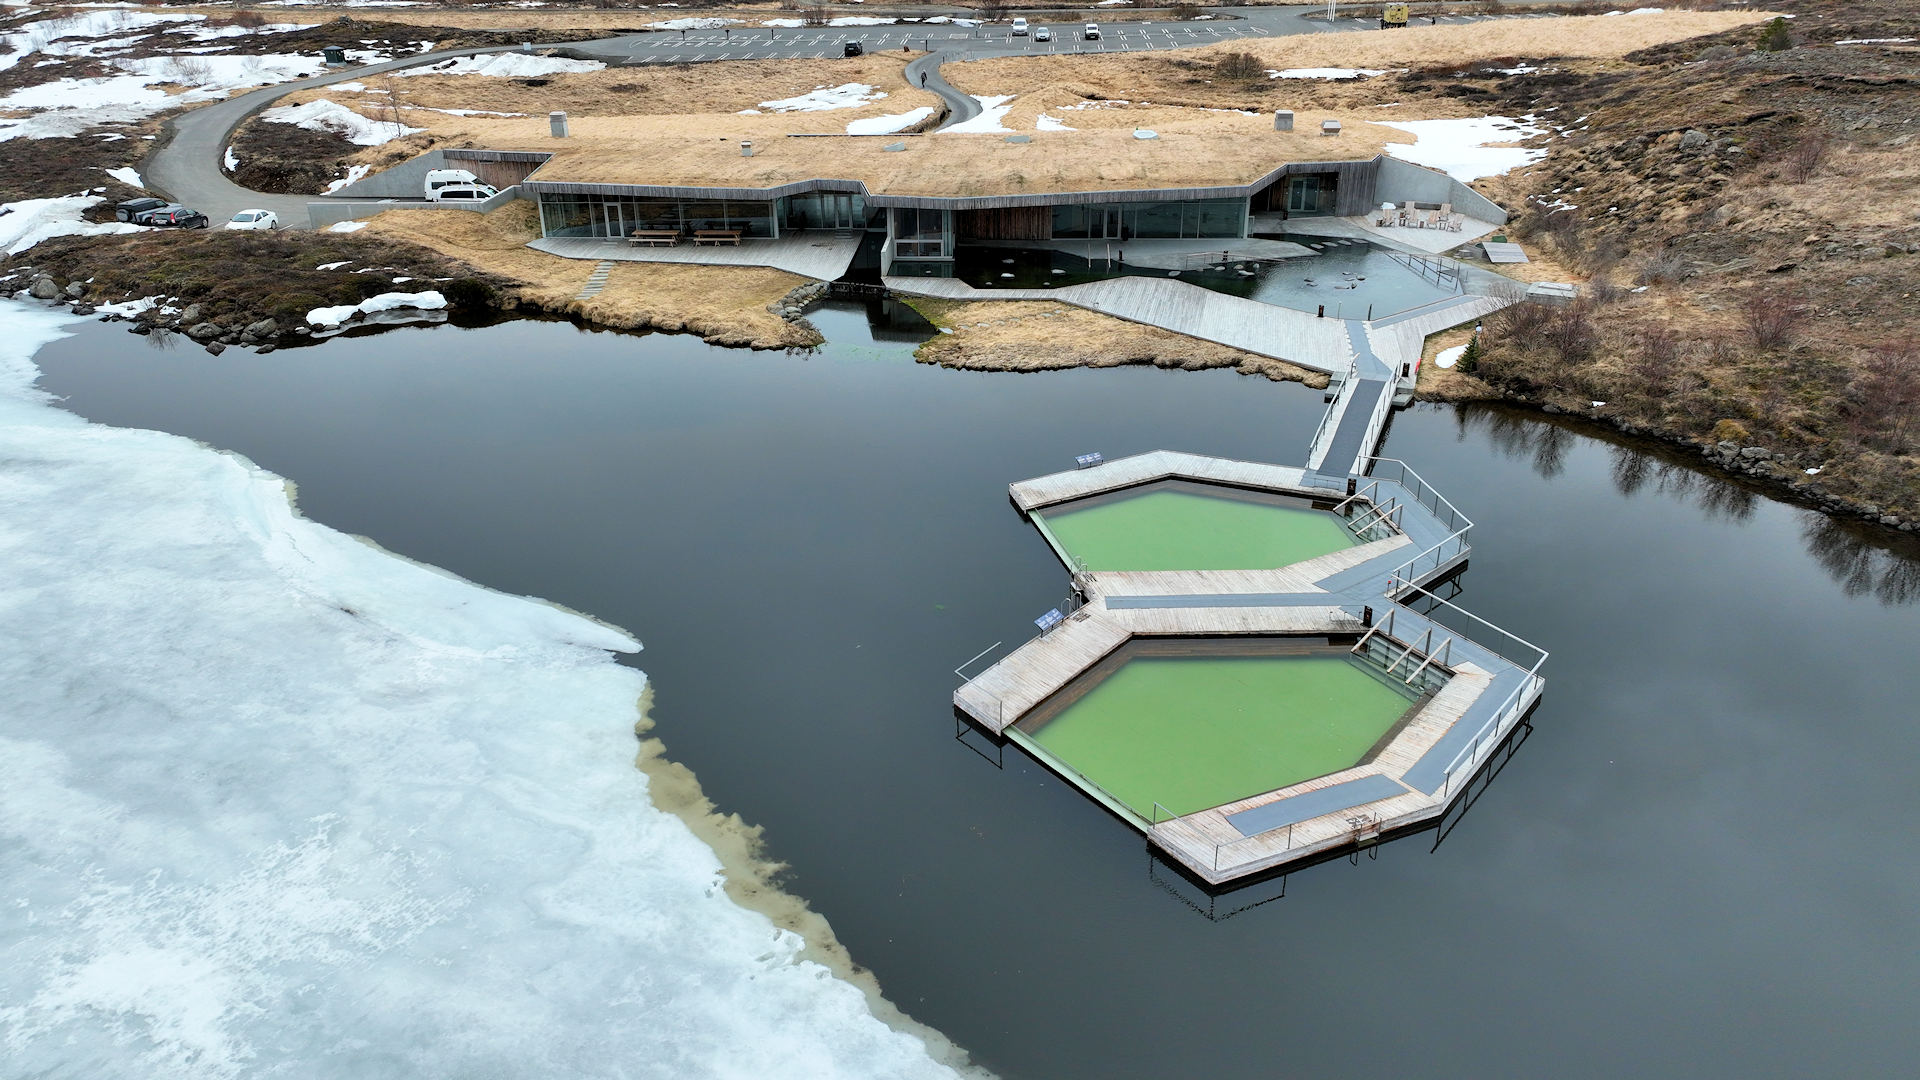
<point x="1703" y="862"/>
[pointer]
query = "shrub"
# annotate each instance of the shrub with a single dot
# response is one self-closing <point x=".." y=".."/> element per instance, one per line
<point x="1522" y="322"/>
<point x="1806" y="157"/>
<point x="469" y="293"/>
<point x="1571" y="333"/>
<point x="1776" y="37"/>
<point x="1772" y="318"/>
<point x="1240" y="65"/>
<point x="1731" y="431"/>
<point x="1660" y="268"/>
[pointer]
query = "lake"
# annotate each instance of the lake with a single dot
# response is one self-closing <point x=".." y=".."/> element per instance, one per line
<point x="1699" y="864"/>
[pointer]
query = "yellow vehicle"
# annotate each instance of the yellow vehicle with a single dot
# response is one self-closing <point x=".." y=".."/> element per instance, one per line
<point x="1393" y="15"/>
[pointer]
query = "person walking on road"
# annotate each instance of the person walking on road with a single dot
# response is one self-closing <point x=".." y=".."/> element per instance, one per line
<point x="923" y="79"/>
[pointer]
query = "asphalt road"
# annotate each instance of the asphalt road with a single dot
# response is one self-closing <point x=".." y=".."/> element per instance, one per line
<point x="187" y="166"/>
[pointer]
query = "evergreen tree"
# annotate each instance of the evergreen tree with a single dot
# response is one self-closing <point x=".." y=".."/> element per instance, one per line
<point x="1776" y="38"/>
<point x="1470" y="359"/>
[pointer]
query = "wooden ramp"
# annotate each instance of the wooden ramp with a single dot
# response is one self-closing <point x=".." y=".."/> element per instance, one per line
<point x="1171" y="304"/>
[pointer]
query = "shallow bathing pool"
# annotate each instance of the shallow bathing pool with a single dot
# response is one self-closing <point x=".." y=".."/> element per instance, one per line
<point x="1196" y="723"/>
<point x="1183" y="525"/>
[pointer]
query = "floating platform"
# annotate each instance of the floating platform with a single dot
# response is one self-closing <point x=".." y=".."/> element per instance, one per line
<point x="1281" y="762"/>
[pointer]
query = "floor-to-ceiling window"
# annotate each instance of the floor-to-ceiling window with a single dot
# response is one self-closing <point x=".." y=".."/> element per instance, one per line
<point x="614" y="216"/>
<point x="1125" y="221"/>
<point x="922" y="234"/>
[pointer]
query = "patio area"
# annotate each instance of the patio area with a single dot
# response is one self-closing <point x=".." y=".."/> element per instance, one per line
<point x="823" y="256"/>
<point x="1426" y="241"/>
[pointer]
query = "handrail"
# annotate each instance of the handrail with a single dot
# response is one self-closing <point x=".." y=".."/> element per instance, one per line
<point x="1423" y="486"/>
<point x="1405" y="570"/>
<point x="961" y="670"/>
<point x="1491" y="626"/>
<point x="1341" y="397"/>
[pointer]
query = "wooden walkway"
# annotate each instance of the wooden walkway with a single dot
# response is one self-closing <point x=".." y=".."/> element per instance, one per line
<point x="1171" y="304"/>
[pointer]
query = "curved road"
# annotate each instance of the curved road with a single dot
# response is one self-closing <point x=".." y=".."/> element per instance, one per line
<point x="186" y="167"/>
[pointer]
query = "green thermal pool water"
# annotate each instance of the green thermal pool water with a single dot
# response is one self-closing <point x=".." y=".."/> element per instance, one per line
<point x="1195" y="732"/>
<point x="1188" y="527"/>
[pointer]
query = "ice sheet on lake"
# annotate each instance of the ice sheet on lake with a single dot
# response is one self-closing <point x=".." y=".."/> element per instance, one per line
<point x="276" y="802"/>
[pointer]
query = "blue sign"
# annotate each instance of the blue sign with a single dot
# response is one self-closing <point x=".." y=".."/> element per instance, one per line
<point x="1088" y="461"/>
<point x="1050" y="620"/>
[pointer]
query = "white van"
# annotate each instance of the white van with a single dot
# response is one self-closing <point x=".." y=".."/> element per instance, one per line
<point x="439" y="178"/>
<point x="1019" y="27"/>
<point x="461" y="193"/>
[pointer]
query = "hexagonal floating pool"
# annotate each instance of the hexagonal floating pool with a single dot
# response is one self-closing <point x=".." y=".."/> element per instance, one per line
<point x="1188" y="525"/>
<point x="1195" y="723"/>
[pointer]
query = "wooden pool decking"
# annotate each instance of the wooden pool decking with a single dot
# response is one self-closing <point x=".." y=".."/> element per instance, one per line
<point x="1344" y="595"/>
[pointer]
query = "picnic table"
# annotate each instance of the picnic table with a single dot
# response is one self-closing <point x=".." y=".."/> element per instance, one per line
<point x="716" y="236"/>
<point x="654" y="237"/>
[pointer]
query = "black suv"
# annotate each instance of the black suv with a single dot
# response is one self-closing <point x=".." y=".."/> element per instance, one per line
<point x="171" y="215"/>
<point x="132" y="208"/>
<point x="854" y="48"/>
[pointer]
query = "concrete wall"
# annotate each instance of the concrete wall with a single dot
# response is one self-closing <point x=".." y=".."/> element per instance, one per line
<point x="1400" y="182"/>
<point x="407" y="180"/>
<point x="322" y="214"/>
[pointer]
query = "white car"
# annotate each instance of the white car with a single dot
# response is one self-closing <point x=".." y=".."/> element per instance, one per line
<point x="462" y="193"/>
<point x="1091" y="32"/>
<point x="1041" y="33"/>
<point x="1019" y="27"/>
<point x="255" y="219"/>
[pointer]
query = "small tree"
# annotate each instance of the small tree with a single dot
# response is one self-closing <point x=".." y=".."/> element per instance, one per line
<point x="1807" y="156"/>
<point x="1773" y="319"/>
<point x="1239" y="66"/>
<point x="1469" y="361"/>
<point x="1776" y="37"/>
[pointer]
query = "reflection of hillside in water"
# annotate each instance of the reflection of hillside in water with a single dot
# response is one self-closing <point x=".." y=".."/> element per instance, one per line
<point x="1858" y="557"/>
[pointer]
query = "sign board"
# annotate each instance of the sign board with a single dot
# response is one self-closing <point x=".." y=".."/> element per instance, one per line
<point x="1088" y="461"/>
<point x="1050" y="620"/>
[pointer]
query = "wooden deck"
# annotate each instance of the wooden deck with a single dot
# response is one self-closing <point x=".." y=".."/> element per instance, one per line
<point x="1030" y="495"/>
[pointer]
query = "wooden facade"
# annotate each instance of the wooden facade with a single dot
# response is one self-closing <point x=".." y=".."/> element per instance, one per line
<point x="1011" y="223"/>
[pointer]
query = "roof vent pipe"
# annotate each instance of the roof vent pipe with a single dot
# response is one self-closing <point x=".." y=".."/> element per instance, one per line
<point x="1283" y="120"/>
<point x="746" y="148"/>
<point x="558" y="122"/>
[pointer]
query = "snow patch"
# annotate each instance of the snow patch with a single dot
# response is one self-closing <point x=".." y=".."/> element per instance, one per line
<point x="693" y="24"/>
<point x="346" y="226"/>
<point x="30" y="221"/>
<point x="1043" y="122"/>
<point x="355" y="174"/>
<point x="1327" y="73"/>
<point x="824" y="98"/>
<point x="1449" y="357"/>
<point x="992" y="111"/>
<point x="127" y="175"/>
<point x="887" y="125"/>
<point x="1461" y="148"/>
<point x="506" y="65"/>
<point x="334" y="316"/>
<point x="321" y="114"/>
<point x="230" y="162"/>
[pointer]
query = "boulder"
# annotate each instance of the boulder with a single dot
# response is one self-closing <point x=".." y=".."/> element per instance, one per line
<point x="265" y="349"/>
<point x="83" y="309"/>
<point x="43" y="288"/>
<point x="1694" y="139"/>
<point x="1755" y="453"/>
<point x="264" y="328"/>
<point x="203" y="332"/>
<point x="191" y="315"/>
<point x="216" y="348"/>
<point x="76" y="289"/>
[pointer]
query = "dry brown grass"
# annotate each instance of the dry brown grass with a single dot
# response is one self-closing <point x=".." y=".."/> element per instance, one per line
<point x="1202" y="148"/>
<point x="726" y="305"/>
<point x="1029" y="335"/>
<point x="689" y="89"/>
<point x="516" y="19"/>
<point x="1449" y="384"/>
<point x="1157" y="76"/>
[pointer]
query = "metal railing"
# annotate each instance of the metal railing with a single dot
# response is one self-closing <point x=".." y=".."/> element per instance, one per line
<point x="1334" y="408"/>
<point x="1468" y="760"/>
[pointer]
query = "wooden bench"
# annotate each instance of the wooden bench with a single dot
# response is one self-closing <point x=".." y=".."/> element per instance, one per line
<point x="654" y="237"/>
<point x="716" y="236"/>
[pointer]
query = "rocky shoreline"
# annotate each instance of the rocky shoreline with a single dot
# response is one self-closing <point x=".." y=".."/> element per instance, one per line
<point x="1784" y="473"/>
